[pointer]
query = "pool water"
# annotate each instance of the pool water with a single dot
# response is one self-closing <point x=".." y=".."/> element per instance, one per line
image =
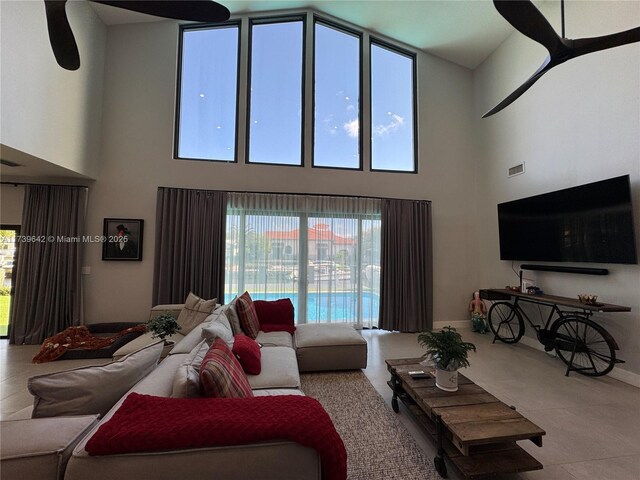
<point x="329" y="307"/>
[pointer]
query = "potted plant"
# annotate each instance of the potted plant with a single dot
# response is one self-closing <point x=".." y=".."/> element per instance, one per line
<point x="448" y="353"/>
<point x="162" y="326"/>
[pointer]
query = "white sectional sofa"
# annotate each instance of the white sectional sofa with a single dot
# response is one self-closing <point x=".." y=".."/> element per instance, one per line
<point x="266" y="460"/>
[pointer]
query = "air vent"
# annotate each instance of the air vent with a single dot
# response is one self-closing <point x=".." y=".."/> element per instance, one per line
<point x="515" y="170"/>
<point x="8" y="163"/>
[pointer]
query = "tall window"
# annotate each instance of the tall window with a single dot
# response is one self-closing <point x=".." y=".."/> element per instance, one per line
<point x="321" y="252"/>
<point x="275" y="115"/>
<point x="337" y="119"/>
<point x="392" y="109"/>
<point x="206" y="128"/>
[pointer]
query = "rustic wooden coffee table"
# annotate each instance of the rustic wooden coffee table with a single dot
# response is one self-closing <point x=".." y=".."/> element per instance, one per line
<point x="474" y="430"/>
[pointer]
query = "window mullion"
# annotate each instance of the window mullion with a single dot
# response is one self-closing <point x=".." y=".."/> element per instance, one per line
<point x="303" y="249"/>
<point x="242" y="254"/>
<point x="358" y="276"/>
<point x="365" y="103"/>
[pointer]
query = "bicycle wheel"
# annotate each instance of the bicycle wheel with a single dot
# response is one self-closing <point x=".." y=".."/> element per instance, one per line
<point x="590" y="345"/>
<point x="506" y="322"/>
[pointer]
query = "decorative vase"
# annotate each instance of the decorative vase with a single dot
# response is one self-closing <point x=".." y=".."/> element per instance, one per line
<point x="168" y="346"/>
<point x="447" y="380"/>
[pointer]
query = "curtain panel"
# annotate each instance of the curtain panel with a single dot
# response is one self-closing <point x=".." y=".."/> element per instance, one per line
<point x="322" y="252"/>
<point x="190" y="244"/>
<point x="407" y="266"/>
<point x="48" y="293"/>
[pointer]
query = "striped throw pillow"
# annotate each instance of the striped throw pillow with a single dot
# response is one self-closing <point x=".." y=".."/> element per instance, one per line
<point x="248" y="315"/>
<point x="221" y="375"/>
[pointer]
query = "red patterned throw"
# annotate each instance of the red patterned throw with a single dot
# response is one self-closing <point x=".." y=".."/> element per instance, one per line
<point x="77" y="338"/>
<point x="210" y="422"/>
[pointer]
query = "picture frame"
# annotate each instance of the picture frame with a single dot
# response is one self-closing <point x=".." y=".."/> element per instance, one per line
<point x="122" y="239"/>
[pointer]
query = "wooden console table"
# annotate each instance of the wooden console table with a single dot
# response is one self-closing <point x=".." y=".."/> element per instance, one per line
<point x="474" y="430"/>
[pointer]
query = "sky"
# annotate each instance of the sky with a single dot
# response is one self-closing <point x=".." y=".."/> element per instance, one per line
<point x="209" y="90"/>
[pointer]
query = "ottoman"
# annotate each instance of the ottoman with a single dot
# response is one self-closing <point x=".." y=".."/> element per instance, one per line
<point x="327" y="346"/>
<point x="39" y="448"/>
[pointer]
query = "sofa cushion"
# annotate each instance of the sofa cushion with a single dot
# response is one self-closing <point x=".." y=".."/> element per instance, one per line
<point x="194" y="312"/>
<point x="276" y="315"/>
<point x="186" y="382"/>
<point x="218" y="327"/>
<point x="279" y="369"/>
<point x="248" y="316"/>
<point x="275" y="339"/>
<point x="247" y="351"/>
<point x="142" y="341"/>
<point x="268" y="392"/>
<point x="221" y="375"/>
<point x="91" y="390"/>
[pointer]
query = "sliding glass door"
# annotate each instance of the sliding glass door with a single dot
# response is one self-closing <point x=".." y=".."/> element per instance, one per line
<point x="324" y="256"/>
<point x="8" y="247"/>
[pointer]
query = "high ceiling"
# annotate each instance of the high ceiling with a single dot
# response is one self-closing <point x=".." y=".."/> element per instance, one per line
<point x="462" y="31"/>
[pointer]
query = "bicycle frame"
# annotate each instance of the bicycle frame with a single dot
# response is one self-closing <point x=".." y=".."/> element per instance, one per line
<point x="555" y="310"/>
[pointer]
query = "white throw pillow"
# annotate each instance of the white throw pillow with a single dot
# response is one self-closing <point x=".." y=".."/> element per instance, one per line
<point x="219" y="327"/>
<point x="194" y="312"/>
<point x="91" y="390"/>
<point x="186" y="381"/>
<point x="232" y="315"/>
<point x="192" y="339"/>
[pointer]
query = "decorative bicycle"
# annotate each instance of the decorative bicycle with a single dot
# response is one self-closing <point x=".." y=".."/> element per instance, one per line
<point x="585" y="346"/>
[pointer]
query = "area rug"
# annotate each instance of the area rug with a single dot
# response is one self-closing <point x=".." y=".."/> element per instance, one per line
<point x="379" y="447"/>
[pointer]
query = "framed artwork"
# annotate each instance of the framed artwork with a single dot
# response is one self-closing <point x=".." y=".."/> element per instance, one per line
<point x="123" y="239"/>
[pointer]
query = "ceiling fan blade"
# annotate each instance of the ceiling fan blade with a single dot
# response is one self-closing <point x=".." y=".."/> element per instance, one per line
<point x="582" y="46"/>
<point x="527" y="19"/>
<point x="193" y="10"/>
<point x="61" y="37"/>
<point x="544" y="68"/>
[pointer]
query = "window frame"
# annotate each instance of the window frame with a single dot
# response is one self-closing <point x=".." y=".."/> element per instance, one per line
<point x="237" y="23"/>
<point x="414" y="90"/>
<point x="360" y="36"/>
<point x="266" y="20"/>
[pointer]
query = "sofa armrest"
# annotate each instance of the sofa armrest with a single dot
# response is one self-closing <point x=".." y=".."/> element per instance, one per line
<point x="40" y="447"/>
<point x="174" y="308"/>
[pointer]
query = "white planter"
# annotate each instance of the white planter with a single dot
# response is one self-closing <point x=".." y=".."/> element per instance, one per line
<point x="447" y="380"/>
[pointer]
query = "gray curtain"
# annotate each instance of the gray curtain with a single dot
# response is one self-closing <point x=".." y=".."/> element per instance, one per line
<point x="190" y="245"/>
<point x="406" y="303"/>
<point x="48" y="294"/>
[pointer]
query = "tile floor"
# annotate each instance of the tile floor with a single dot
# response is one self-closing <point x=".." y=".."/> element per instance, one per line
<point x="592" y="424"/>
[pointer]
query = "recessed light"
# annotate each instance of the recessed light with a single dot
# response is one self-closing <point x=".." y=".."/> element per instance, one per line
<point x="202" y="95"/>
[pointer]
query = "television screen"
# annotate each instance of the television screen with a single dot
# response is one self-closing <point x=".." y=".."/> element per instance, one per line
<point x="591" y="223"/>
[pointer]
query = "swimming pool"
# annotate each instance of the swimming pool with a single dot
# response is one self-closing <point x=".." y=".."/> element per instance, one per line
<point x="329" y="307"/>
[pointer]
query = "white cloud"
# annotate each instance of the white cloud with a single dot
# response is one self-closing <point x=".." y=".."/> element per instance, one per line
<point x="396" y="122"/>
<point x="352" y="128"/>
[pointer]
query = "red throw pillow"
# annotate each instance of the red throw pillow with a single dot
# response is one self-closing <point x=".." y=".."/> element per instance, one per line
<point x="275" y="316"/>
<point x="248" y="316"/>
<point x="221" y="375"/>
<point x="247" y="351"/>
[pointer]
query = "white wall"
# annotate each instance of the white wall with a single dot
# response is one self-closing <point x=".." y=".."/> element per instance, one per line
<point x="137" y="158"/>
<point x="580" y="123"/>
<point x="11" y="200"/>
<point x="49" y="112"/>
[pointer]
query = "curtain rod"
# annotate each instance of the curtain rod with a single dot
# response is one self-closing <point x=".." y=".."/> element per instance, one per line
<point x="15" y="184"/>
<point x="303" y="194"/>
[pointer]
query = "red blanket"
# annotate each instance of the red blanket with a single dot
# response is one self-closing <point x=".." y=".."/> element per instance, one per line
<point x="77" y="337"/>
<point x="209" y="422"/>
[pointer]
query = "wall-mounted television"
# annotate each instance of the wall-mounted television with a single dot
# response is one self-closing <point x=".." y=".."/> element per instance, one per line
<point x="591" y="223"/>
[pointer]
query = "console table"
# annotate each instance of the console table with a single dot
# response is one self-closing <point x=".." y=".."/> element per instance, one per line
<point x="474" y="430"/>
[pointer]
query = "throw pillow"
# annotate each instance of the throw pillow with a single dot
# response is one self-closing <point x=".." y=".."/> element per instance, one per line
<point x="231" y="311"/>
<point x="91" y="390"/>
<point x="186" y="381"/>
<point x="194" y="312"/>
<point x="217" y="326"/>
<point x="247" y="351"/>
<point x="221" y="375"/>
<point x="275" y="316"/>
<point x="248" y="316"/>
